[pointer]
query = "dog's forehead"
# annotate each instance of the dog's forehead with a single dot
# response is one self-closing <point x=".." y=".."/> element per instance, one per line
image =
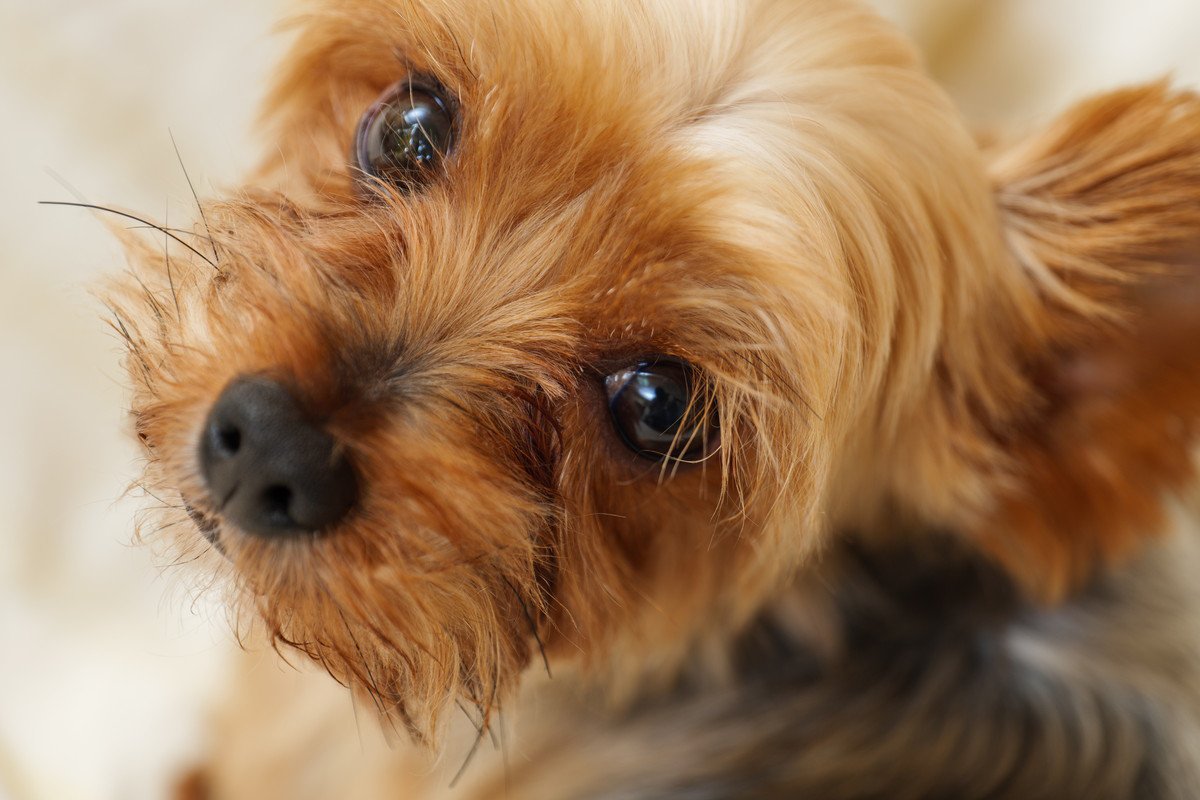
<point x="557" y="94"/>
<point x="641" y="153"/>
<point x="549" y="95"/>
<point x="547" y="45"/>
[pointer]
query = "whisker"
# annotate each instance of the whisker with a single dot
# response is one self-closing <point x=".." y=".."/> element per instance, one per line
<point x="133" y="217"/>
<point x="504" y="755"/>
<point x="180" y="562"/>
<point x="483" y="726"/>
<point x="373" y="685"/>
<point x="532" y="626"/>
<point x="64" y="183"/>
<point x="195" y="197"/>
<point x="478" y="726"/>
<point x="167" y="259"/>
<point x="184" y="231"/>
<point x="117" y="324"/>
<point x="150" y="298"/>
<point x="146" y="489"/>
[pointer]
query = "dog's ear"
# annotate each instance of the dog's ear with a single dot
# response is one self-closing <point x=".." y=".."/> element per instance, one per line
<point x="1102" y="213"/>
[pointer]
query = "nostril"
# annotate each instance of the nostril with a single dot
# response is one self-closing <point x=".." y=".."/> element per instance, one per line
<point x="227" y="440"/>
<point x="276" y="506"/>
<point x="269" y="468"/>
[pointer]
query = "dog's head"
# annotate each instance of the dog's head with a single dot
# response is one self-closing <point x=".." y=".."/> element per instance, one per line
<point x="579" y="325"/>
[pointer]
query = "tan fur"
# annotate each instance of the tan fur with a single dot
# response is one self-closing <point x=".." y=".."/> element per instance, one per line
<point x="900" y="332"/>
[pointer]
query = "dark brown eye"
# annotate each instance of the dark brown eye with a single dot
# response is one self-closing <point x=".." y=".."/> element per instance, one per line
<point x="404" y="137"/>
<point x="659" y="410"/>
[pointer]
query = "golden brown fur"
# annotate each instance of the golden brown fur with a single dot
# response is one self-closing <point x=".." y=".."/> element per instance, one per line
<point x="901" y="333"/>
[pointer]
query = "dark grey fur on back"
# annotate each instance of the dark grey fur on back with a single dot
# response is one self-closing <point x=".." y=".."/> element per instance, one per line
<point x="937" y="681"/>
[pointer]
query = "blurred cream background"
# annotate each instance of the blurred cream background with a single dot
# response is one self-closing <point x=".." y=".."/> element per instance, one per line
<point x="106" y="665"/>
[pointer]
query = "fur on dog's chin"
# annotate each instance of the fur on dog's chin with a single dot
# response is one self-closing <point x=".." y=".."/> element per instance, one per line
<point x="772" y="191"/>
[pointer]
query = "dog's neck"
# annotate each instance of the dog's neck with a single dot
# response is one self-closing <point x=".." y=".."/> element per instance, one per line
<point x="863" y="602"/>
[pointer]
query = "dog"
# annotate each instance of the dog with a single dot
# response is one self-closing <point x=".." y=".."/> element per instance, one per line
<point x="690" y="374"/>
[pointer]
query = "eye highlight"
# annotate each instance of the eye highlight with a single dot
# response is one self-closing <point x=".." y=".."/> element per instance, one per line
<point x="406" y="135"/>
<point x="659" y="410"/>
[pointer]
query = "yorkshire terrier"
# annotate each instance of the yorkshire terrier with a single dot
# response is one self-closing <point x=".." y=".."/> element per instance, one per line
<point x="697" y="356"/>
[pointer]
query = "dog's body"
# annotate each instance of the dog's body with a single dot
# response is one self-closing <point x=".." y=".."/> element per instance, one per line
<point x="917" y="674"/>
<point x="697" y="350"/>
<point x="943" y="687"/>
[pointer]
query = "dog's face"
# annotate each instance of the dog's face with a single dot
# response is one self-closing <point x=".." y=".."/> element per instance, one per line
<point x="577" y="325"/>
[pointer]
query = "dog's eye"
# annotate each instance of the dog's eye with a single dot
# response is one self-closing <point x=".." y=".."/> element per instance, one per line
<point x="659" y="411"/>
<point x="405" y="135"/>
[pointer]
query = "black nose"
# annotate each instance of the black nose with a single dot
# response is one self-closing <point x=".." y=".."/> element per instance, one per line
<point x="269" y="470"/>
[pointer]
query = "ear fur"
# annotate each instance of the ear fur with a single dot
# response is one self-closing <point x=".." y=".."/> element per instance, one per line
<point x="1102" y="211"/>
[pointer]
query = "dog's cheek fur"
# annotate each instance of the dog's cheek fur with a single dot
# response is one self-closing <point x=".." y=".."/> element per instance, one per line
<point x="429" y="590"/>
